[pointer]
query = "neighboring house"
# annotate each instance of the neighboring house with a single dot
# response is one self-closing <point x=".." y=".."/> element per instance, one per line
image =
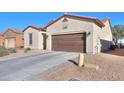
<point x="1" y="40"/>
<point x="34" y="37"/>
<point x="76" y="33"/>
<point x="13" y="38"/>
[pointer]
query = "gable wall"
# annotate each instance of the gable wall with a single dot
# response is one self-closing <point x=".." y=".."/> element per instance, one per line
<point x="74" y="25"/>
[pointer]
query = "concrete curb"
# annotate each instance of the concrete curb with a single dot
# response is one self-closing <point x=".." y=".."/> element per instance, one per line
<point x="94" y="66"/>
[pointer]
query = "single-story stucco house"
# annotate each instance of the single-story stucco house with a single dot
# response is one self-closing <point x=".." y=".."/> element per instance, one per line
<point x="13" y="38"/>
<point x="34" y="37"/>
<point x="71" y="33"/>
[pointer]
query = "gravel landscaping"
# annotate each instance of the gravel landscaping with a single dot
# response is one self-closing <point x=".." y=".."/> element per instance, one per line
<point x="111" y="68"/>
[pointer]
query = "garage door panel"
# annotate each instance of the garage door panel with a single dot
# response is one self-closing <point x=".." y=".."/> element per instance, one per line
<point x="68" y="42"/>
<point x="10" y="43"/>
<point x="74" y="38"/>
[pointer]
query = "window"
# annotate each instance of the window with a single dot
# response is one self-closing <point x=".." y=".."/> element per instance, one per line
<point x="30" y="39"/>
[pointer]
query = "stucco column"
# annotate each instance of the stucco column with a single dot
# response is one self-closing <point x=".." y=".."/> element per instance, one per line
<point x="89" y="43"/>
<point x="49" y="42"/>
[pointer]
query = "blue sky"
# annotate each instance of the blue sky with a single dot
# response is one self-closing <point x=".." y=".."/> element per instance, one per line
<point x="22" y="19"/>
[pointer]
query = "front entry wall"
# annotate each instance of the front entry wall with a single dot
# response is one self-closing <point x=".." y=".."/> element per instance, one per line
<point x="69" y="42"/>
<point x="37" y="39"/>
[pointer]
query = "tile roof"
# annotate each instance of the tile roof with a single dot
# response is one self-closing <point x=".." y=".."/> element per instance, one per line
<point x="18" y="31"/>
<point x="35" y="27"/>
<point x="15" y="30"/>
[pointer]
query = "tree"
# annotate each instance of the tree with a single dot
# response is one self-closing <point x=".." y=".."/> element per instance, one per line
<point x="118" y="32"/>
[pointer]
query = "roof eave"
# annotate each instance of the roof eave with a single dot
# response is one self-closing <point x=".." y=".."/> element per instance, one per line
<point x="12" y="31"/>
<point x="67" y="15"/>
<point x="40" y="29"/>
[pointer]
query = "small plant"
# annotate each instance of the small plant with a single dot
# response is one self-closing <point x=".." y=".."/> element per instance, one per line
<point x="12" y="50"/>
<point x="27" y="49"/>
<point x="3" y="51"/>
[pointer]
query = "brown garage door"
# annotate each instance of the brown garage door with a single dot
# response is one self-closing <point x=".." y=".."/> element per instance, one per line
<point x="69" y="42"/>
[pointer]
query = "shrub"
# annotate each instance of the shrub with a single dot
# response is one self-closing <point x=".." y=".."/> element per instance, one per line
<point x="12" y="50"/>
<point x="27" y="49"/>
<point x="3" y="51"/>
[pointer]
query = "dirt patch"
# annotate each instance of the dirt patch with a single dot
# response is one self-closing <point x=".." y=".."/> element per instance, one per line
<point x="111" y="68"/>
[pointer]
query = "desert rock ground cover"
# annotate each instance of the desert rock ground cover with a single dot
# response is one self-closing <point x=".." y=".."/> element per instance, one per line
<point x="111" y="68"/>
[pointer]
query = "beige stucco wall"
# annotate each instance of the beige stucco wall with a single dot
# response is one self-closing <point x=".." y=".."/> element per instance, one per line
<point x="37" y="42"/>
<point x="96" y="39"/>
<point x="74" y="26"/>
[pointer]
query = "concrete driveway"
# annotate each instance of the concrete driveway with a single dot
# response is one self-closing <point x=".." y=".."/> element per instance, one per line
<point x="30" y="67"/>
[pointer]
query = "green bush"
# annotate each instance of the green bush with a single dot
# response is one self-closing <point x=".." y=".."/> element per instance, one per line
<point x="27" y="49"/>
<point x="12" y="50"/>
<point x="3" y="51"/>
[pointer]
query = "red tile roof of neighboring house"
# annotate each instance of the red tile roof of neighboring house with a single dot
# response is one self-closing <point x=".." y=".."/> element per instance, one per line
<point x="35" y="27"/>
<point x="17" y="31"/>
<point x="96" y="20"/>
